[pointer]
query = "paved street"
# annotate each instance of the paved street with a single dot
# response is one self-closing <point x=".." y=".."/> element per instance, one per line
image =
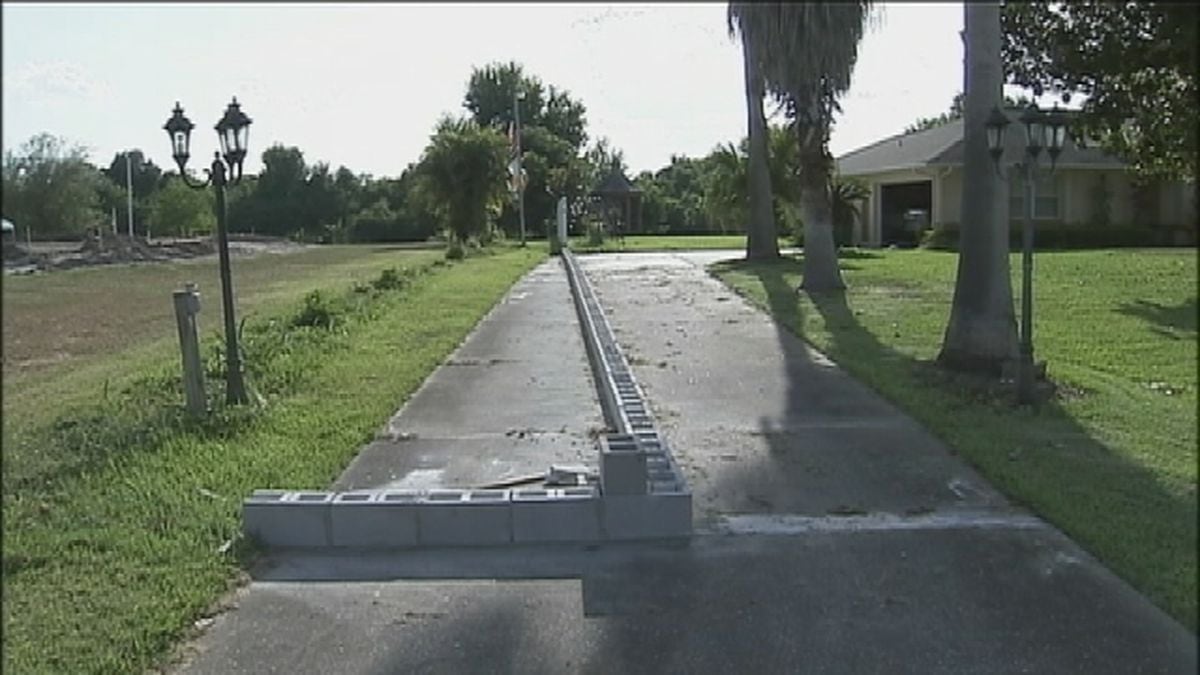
<point x="834" y="535"/>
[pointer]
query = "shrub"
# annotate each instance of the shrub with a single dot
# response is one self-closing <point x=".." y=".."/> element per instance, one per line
<point x="318" y="311"/>
<point x="388" y="280"/>
<point x="456" y="250"/>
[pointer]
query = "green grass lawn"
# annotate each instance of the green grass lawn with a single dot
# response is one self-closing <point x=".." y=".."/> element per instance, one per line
<point x="651" y="242"/>
<point x="1112" y="460"/>
<point x="118" y="514"/>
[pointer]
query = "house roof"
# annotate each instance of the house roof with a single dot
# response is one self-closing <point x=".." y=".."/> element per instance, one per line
<point x="943" y="146"/>
<point x="615" y="184"/>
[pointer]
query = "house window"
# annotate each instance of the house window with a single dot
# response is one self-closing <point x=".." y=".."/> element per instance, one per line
<point x="1045" y="197"/>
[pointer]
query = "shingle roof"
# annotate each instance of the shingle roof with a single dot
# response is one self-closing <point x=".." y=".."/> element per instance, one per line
<point x="943" y="146"/>
<point x="615" y="183"/>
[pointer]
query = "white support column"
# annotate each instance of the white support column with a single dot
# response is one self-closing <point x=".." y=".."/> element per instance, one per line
<point x="876" y="238"/>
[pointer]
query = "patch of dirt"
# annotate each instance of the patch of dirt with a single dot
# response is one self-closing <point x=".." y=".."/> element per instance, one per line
<point x="110" y="249"/>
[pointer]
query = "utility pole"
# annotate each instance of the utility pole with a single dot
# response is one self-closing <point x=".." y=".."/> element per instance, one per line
<point x="129" y="192"/>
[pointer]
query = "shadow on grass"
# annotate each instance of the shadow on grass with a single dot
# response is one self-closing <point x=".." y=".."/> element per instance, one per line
<point x="1044" y="459"/>
<point x="1164" y="319"/>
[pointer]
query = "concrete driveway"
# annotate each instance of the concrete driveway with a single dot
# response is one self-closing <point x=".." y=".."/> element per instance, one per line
<point x="834" y="535"/>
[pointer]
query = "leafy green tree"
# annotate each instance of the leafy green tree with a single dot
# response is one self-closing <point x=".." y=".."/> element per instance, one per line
<point x="553" y="134"/>
<point x="50" y="188"/>
<point x="110" y="198"/>
<point x="240" y="203"/>
<point x="279" y="192"/>
<point x="320" y="204"/>
<point x="179" y="210"/>
<point x="144" y="172"/>
<point x="1133" y="62"/>
<point x="348" y="188"/>
<point x="463" y="173"/>
<point x="146" y="179"/>
<point x="805" y="53"/>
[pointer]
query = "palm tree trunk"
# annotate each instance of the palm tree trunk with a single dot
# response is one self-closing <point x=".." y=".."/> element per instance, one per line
<point x="981" y="334"/>
<point x="762" y="240"/>
<point x="821" y="271"/>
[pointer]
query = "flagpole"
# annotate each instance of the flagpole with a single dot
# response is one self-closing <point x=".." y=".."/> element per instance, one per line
<point x="520" y="174"/>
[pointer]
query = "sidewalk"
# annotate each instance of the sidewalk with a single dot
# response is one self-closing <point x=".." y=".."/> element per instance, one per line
<point x="834" y="534"/>
<point x="516" y="397"/>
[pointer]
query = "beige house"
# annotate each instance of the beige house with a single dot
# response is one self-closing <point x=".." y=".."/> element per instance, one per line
<point x="915" y="180"/>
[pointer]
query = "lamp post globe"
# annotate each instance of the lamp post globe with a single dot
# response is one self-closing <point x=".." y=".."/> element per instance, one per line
<point x="1034" y="135"/>
<point x="179" y="130"/>
<point x="1055" y="126"/>
<point x="233" y="132"/>
<point x="995" y="124"/>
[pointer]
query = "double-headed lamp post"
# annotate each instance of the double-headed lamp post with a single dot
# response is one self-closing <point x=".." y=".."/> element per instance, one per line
<point x="1042" y="129"/>
<point x="233" y="131"/>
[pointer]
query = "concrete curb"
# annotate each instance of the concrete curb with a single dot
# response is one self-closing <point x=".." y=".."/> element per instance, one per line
<point x="642" y="494"/>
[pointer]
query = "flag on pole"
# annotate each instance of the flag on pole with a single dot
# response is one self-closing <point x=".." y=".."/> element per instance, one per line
<point x="512" y="139"/>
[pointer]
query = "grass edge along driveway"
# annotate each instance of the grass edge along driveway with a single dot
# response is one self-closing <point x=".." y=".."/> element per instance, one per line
<point x="107" y="569"/>
<point x="1111" y="461"/>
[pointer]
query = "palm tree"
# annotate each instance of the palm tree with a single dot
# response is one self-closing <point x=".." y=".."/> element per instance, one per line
<point x="726" y="183"/>
<point x="845" y="195"/>
<point x="981" y="334"/>
<point x="805" y="53"/>
<point x="462" y="174"/>
<point x="762" y="238"/>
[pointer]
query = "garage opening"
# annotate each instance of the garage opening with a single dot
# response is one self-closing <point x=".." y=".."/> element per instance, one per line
<point x="906" y="209"/>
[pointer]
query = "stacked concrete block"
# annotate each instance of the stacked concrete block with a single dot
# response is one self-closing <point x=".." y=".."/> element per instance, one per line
<point x="622" y="465"/>
<point x="547" y="515"/>
<point x="650" y="516"/>
<point x="375" y="519"/>
<point x="465" y="518"/>
<point x="287" y="519"/>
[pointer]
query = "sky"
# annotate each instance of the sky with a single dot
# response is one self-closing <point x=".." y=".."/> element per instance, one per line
<point x="362" y="85"/>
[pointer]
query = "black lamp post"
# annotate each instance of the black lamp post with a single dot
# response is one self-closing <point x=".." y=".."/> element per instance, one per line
<point x="1041" y="130"/>
<point x="233" y="131"/>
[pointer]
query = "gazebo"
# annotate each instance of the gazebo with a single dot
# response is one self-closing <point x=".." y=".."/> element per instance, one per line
<point x="620" y="202"/>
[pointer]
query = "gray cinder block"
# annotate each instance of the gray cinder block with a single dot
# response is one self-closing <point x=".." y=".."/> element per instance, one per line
<point x="570" y="514"/>
<point x="666" y="515"/>
<point x="279" y="518"/>
<point x="465" y="517"/>
<point x="622" y="466"/>
<point x="377" y="519"/>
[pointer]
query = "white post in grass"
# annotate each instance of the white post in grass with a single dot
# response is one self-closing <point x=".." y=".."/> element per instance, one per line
<point x="187" y="306"/>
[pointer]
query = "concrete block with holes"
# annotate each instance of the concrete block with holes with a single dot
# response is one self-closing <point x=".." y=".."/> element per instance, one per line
<point x="622" y="466"/>
<point x="465" y="518"/>
<point x="374" y="519"/>
<point x="659" y="515"/>
<point x="568" y="514"/>
<point x="287" y="519"/>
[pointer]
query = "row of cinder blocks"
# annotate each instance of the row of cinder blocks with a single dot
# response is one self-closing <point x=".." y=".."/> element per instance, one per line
<point x="638" y="465"/>
<point x="406" y="518"/>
